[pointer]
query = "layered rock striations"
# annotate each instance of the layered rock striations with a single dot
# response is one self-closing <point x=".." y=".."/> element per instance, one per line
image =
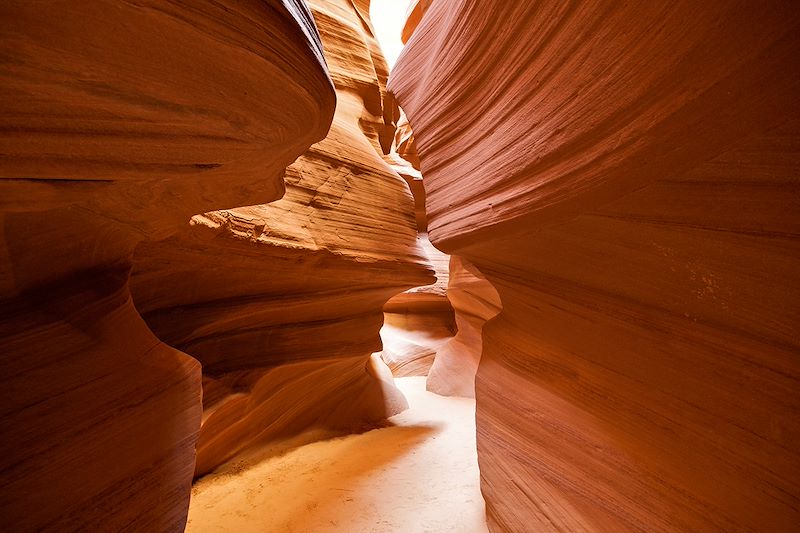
<point x="625" y="175"/>
<point x="420" y="325"/>
<point x="120" y="121"/>
<point x="281" y="302"/>
<point x="435" y="331"/>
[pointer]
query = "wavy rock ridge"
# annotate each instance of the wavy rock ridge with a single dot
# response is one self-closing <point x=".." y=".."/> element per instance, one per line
<point x="419" y="321"/>
<point x="625" y="177"/>
<point x="435" y="331"/>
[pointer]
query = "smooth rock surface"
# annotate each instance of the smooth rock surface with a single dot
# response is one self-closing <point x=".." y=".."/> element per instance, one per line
<point x="419" y="321"/>
<point x="474" y="301"/>
<point x="625" y="175"/>
<point x="118" y="122"/>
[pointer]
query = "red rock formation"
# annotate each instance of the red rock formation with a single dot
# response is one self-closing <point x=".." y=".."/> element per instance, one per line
<point x="418" y="333"/>
<point x="625" y="175"/>
<point x="419" y="321"/>
<point x="120" y="120"/>
<point x="404" y="160"/>
<point x="474" y="301"/>
<point x="416" y="10"/>
<point x="281" y="303"/>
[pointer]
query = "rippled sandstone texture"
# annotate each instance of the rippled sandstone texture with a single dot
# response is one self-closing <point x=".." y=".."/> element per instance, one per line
<point x="625" y="175"/>
<point x="281" y="303"/>
<point x="118" y="122"/>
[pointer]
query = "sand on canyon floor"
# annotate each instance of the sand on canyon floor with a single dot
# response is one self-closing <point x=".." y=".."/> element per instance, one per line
<point x="418" y="475"/>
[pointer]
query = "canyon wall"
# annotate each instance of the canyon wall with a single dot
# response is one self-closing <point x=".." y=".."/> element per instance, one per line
<point x="281" y="303"/>
<point x="625" y="175"/>
<point x="120" y="121"/>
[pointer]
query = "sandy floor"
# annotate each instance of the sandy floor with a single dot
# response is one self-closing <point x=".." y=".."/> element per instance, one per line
<point x="420" y="475"/>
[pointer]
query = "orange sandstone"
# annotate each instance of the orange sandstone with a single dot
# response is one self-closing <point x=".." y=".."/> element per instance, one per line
<point x="625" y="175"/>
<point x="119" y="122"/>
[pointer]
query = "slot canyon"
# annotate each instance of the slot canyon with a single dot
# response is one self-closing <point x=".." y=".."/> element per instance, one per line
<point x="542" y="274"/>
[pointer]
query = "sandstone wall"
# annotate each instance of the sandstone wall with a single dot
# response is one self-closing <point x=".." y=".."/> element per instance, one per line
<point x="419" y="321"/>
<point x="118" y="122"/>
<point x="625" y="175"/>
<point x="281" y="302"/>
<point x="474" y="301"/>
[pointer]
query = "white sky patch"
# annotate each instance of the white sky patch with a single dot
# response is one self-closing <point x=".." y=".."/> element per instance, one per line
<point x="388" y="18"/>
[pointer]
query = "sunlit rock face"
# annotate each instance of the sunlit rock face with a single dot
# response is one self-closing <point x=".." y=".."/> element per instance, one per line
<point x="404" y="160"/>
<point x="474" y="301"/>
<point x="416" y="10"/>
<point x="419" y="321"/>
<point x="281" y="303"/>
<point x="625" y="175"/>
<point x="121" y="120"/>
